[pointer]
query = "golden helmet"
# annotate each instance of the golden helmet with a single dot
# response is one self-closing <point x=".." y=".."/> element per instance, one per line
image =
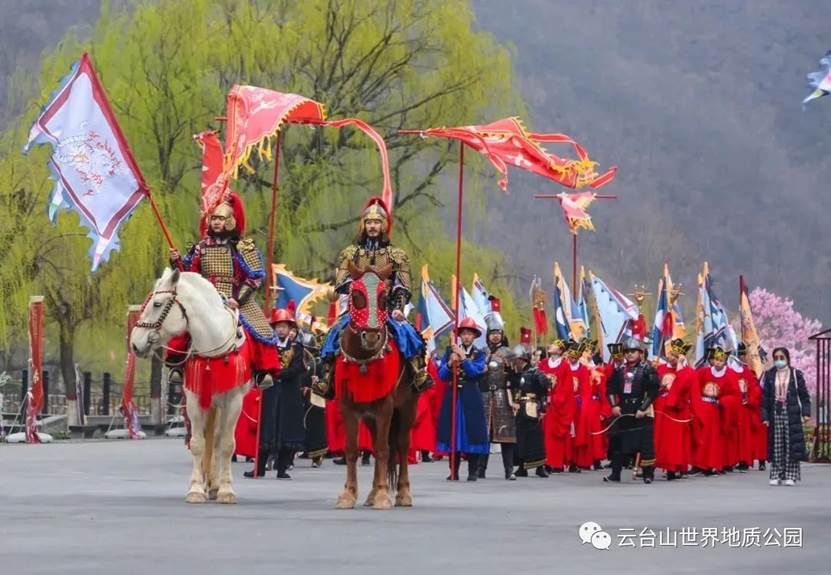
<point x="376" y="209"/>
<point x="225" y="211"/>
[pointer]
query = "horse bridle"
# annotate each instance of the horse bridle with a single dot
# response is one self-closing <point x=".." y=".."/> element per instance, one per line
<point x="156" y="326"/>
<point x="382" y="349"/>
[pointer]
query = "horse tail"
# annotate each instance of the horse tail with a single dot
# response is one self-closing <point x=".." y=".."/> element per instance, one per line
<point x="395" y="455"/>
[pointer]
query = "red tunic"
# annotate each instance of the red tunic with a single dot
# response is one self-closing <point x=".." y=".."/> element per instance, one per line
<point x="427" y="413"/>
<point x="245" y="433"/>
<point x="749" y="416"/>
<point x="559" y="415"/>
<point x="709" y="450"/>
<point x="760" y="432"/>
<point x="586" y="418"/>
<point x="673" y="437"/>
<point x="590" y="444"/>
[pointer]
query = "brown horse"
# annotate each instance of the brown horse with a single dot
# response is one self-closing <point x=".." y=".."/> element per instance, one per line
<point x="373" y="385"/>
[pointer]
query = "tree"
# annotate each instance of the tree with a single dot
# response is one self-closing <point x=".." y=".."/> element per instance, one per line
<point x="167" y="66"/>
<point x="780" y="325"/>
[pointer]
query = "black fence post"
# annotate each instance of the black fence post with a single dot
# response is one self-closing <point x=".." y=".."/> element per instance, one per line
<point x="24" y="383"/>
<point x="105" y="394"/>
<point x="45" y="392"/>
<point x="87" y="391"/>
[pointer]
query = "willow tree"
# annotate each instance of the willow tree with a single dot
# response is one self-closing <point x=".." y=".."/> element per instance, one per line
<point x="397" y="64"/>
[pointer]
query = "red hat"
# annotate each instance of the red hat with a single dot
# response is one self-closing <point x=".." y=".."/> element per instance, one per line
<point x="470" y="323"/>
<point x="282" y="315"/>
<point x="524" y="335"/>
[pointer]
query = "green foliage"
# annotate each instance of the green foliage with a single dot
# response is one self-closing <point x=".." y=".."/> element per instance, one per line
<point x="167" y="66"/>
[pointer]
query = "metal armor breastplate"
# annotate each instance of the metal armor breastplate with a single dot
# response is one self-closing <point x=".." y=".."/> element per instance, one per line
<point x="217" y="263"/>
<point x="375" y="258"/>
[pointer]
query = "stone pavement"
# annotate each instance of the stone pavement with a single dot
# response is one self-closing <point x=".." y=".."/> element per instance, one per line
<point x="118" y="506"/>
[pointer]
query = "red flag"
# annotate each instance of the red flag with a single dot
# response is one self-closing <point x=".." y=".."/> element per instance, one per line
<point x="214" y="187"/>
<point x="540" y="321"/>
<point x="255" y="115"/>
<point x="506" y="142"/>
<point x="35" y="393"/>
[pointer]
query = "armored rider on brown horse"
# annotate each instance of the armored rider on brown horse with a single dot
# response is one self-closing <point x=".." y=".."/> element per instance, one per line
<point x="375" y="356"/>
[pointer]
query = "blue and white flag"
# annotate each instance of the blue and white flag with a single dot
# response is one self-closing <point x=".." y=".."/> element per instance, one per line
<point x="615" y="310"/>
<point x="94" y="171"/>
<point x="433" y="316"/>
<point x="714" y="327"/>
<point x="562" y="305"/>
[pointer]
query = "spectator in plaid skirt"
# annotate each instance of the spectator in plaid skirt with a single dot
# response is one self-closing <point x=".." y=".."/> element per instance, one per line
<point x="786" y="405"/>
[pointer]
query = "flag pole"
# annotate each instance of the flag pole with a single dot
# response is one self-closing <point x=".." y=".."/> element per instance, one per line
<point x="573" y="265"/>
<point x="455" y="391"/>
<point x="275" y="187"/>
<point x="159" y="218"/>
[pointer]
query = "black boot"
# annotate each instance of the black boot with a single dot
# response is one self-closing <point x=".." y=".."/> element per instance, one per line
<point x="425" y="456"/>
<point x="762" y="465"/>
<point x="473" y="466"/>
<point x="598" y="465"/>
<point x="365" y="458"/>
<point x="573" y="469"/>
<point x="541" y="472"/>
<point x="454" y="469"/>
<point x="648" y="474"/>
<point x="261" y="461"/>
<point x="617" y="467"/>
<point x="671" y="476"/>
<point x="482" y="467"/>
<point x="283" y="463"/>
<point x="508" y="460"/>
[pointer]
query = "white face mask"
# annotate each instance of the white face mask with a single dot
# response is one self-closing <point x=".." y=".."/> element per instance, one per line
<point x="780" y="364"/>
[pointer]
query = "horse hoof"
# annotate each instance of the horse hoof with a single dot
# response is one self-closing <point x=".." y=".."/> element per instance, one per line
<point x="212" y="494"/>
<point x="345" y="502"/>
<point x="195" y="497"/>
<point x="382" y="503"/>
<point x="226" y="497"/>
<point x="370" y="499"/>
<point x="404" y="501"/>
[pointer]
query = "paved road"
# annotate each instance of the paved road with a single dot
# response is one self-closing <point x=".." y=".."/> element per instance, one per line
<point x="106" y="507"/>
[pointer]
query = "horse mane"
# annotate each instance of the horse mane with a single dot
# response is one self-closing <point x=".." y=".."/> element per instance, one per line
<point x="205" y="287"/>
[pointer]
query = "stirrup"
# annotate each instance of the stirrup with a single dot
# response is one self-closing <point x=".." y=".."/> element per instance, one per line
<point x="324" y="388"/>
<point x="174" y="376"/>
<point x="422" y="381"/>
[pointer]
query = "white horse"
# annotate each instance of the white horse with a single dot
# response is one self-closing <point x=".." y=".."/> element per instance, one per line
<point x="186" y="302"/>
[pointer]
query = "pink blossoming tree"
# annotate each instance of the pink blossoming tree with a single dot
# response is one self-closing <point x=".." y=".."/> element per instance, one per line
<point x="780" y="325"/>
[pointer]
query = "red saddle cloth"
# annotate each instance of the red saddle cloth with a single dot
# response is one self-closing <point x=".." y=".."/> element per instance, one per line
<point x="209" y="376"/>
<point x="378" y="381"/>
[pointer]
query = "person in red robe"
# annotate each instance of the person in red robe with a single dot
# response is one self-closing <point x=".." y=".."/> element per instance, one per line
<point x="423" y="436"/>
<point x="591" y="443"/>
<point x="749" y="414"/>
<point x="673" y="412"/>
<point x="711" y="405"/>
<point x="579" y="450"/>
<point x="559" y="414"/>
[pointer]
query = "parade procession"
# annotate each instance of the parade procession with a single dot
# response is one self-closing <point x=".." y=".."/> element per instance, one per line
<point x="354" y="276"/>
